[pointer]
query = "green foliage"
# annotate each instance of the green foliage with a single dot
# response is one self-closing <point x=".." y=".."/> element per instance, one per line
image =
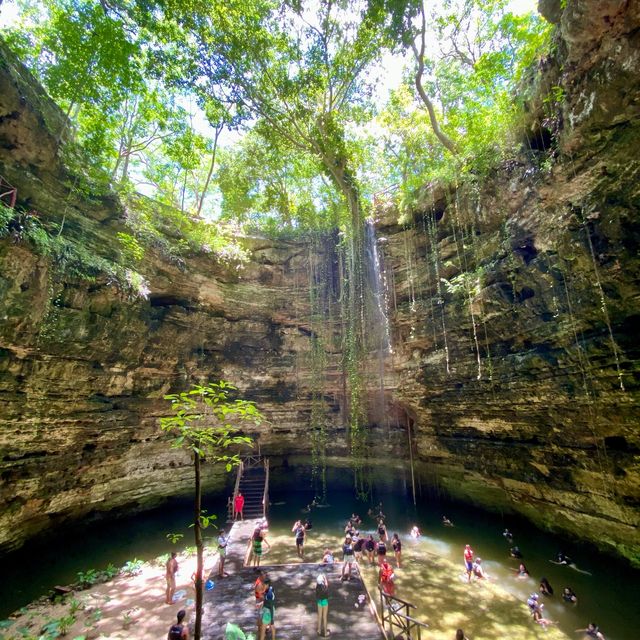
<point x="205" y="421"/>
<point x="174" y="538"/>
<point x="207" y="520"/>
<point x="131" y="249"/>
<point x="58" y="627"/>
<point x="87" y="578"/>
<point x="132" y="567"/>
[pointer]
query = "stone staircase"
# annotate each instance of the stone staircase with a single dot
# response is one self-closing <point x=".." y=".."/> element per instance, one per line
<point x="252" y="485"/>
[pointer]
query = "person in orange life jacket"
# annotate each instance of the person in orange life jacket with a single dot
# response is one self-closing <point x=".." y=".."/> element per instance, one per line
<point x="386" y="578"/>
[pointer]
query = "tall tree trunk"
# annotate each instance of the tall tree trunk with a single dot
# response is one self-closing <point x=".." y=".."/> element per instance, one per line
<point x="211" y="167"/>
<point x="197" y="527"/>
<point x="419" y="56"/>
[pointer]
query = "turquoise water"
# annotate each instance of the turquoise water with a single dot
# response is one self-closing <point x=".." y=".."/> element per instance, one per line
<point x="608" y="596"/>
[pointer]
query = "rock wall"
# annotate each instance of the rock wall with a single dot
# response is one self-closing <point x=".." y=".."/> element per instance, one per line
<point x="513" y="306"/>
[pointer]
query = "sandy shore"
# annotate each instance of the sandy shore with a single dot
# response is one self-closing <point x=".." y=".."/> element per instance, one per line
<point x="131" y="607"/>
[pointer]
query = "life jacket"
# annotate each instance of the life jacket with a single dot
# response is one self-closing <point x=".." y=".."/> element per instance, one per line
<point x="386" y="573"/>
<point x="257" y="589"/>
<point x="175" y="633"/>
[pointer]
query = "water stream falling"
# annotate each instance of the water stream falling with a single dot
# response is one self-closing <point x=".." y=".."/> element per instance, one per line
<point x="379" y="321"/>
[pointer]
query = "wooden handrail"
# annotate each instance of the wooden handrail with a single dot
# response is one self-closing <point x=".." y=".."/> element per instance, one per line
<point x="391" y="609"/>
<point x="231" y="506"/>
<point x="265" y="495"/>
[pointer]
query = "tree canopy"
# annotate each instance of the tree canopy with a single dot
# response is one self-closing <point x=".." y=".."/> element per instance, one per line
<point x="274" y="113"/>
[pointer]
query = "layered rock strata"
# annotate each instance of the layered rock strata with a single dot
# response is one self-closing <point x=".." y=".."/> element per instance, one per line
<point x="513" y="307"/>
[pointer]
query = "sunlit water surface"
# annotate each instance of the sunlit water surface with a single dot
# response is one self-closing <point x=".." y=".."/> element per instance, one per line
<point x="608" y="593"/>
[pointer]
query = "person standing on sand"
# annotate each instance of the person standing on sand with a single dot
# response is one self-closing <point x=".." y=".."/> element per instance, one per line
<point x="170" y="576"/>
<point x="223" y="541"/>
<point x="179" y="630"/>
<point x="322" y="600"/>
<point x="238" y="506"/>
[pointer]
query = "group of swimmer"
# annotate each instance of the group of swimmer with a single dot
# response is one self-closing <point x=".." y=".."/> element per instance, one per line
<point x="372" y="549"/>
<point x="473" y="567"/>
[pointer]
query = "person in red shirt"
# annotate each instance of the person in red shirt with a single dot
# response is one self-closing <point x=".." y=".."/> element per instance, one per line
<point x="468" y="561"/>
<point x="238" y="506"/>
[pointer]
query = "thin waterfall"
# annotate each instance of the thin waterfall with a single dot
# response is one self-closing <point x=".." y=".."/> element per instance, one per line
<point x="378" y="320"/>
<point x="378" y="316"/>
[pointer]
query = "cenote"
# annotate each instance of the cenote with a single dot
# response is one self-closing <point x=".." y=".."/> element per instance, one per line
<point x="607" y="589"/>
<point x="382" y="245"/>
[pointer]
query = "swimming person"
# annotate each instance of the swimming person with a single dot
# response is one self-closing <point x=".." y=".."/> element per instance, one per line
<point x="507" y="535"/>
<point x="415" y="532"/>
<point x="522" y="571"/>
<point x="568" y="595"/>
<point x="515" y="552"/>
<point x="468" y="561"/>
<point x="562" y="558"/>
<point x="592" y="631"/>
<point x="535" y="608"/>
<point x="545" y="588"/>
<point x="446" y="522"/>
<point x="322" y="602"/>
<point x="478" y="570"/>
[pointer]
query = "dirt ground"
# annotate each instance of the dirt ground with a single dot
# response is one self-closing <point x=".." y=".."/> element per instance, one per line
<point x="127" y="607"/>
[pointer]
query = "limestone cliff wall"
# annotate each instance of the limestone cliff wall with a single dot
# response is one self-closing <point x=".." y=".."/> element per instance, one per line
<point x="513" y="313"/>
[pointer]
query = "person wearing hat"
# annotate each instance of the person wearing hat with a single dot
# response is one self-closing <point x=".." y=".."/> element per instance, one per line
<point x="322" y="600"/>
<point x="468" y="561"/>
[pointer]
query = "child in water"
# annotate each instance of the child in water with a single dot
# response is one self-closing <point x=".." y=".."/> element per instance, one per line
<point x="415" y="532"/>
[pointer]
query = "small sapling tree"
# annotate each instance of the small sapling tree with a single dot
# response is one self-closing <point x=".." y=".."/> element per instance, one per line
<point x="205" y="421"/>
